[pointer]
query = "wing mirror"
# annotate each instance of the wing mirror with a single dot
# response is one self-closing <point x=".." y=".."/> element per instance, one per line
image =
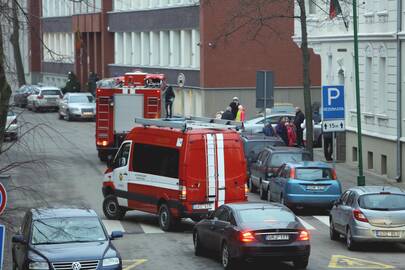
<point x="116" y="234"/>
<point x="18" y="239"/>
<point x="123" y="161"/>
<point x="337" y="202"/>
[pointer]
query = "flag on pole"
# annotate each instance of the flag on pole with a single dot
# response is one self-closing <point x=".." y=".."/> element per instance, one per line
<point x="334" y="9"/>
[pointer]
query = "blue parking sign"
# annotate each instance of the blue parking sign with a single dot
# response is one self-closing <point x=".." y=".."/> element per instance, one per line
<point x="333" y="102"/>
<point x="2" y="238"/>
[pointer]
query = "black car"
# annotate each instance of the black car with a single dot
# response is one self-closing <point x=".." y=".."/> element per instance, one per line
<point x="268" y="162"/>
<point x="254" y="144"/>
<point x="64" y="238"/>
<point x="20" y="95"/>
<point x="243" y="231"/>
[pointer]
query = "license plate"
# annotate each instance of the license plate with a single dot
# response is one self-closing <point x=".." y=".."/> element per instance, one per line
<point x="88" y="114"/>
<point x="315" y="187"/>
<point x="203" y="206"/>
<point x="393" y="234"/>
<point x="277" y="237"/>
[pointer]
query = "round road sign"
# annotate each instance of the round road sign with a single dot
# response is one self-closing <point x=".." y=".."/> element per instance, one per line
<point x="181" y="80"/>
<point x="3" y="198"/>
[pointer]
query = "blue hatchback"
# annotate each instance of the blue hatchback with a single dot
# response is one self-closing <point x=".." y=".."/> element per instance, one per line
<point x="303" y="184"/>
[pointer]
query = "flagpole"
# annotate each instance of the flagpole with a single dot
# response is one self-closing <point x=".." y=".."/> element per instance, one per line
<point x="361" y="180"/>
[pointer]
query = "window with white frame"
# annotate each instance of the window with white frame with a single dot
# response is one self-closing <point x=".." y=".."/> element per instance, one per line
<point x="55" y="8"/>
<point x="125" y="5"/>
<point x="330" y="68"/>
<point x="58" y="47"/>
<point x="369" y="100"/>
<point x="312" y="7"/>
<point x="382" y="85"/>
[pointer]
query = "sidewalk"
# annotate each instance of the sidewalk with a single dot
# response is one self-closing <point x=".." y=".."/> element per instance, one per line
<point x="347" y="174"/>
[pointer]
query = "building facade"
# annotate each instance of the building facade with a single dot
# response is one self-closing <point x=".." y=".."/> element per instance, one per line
<point x="180" y="38"/>
<point x="381" y="76"/>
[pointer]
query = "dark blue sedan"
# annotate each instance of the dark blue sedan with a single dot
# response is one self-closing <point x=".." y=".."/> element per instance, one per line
<point x="309" y="183"/>
<point x="64" y="238"/>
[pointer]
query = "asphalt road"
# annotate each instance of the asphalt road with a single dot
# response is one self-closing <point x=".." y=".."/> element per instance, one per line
<point x="68" y="172"/>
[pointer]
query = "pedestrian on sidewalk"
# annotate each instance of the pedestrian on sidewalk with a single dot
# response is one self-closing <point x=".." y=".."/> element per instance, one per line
<point x="227" y="115"/>
<point x="169" y="99"/>
<point x="328" y="145"/>
<point x="292" y="136"/>
<point x="240" y="116"/>
<point x="234" y="107"/>
<point x="299" y="119"/>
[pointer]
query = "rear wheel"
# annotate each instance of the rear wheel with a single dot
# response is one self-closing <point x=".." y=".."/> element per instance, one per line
<point x="263" y="194"/>
<point x="252" y="187"/>
<point x="103" y="156"/>
<point x="301" y="263"/>
<point x="350" y="243"/>
<point x="333" y="234"/>
<point x="60" y="116"/>
<point x="268" y="195"/>
<point x="166" y="220"/>
<point x="227" y="261"/>
<point x="111" y="208"/>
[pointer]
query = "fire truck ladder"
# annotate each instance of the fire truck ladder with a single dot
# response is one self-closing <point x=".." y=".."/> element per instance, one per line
<point x="190" y="123"/>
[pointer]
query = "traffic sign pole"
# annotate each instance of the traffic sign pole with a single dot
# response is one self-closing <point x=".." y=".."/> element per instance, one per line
<point x="361" y="180"/>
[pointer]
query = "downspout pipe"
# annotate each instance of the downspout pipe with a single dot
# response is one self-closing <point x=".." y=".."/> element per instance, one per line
<point x="398" y="177"/>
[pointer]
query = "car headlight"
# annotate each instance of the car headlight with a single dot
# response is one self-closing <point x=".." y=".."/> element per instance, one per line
<point x="111" y="261"/>
<point x="38" y="266"/>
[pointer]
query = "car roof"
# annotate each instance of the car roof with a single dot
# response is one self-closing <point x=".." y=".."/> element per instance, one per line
<point x="303" y="164"/>
<point x="259" y="137"/>
<point x="79" y="94"/>
<point x="43" y="213"/>
<point x="284" y="149"/>
<point x="45" y="87"/>
<point x="253" y="205"/>
<point x="376" y="189"/>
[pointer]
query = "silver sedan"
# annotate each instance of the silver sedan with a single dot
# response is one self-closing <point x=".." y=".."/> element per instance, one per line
<point x="369" y="214"/>
<point x="77" y="106"/>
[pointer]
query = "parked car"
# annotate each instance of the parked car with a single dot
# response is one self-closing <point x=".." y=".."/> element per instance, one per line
<point x="44" y="97"/>
<point x="268" y="162"/>
<point x="305" y="184"/>
<point x="77" y="106"/>
<point x="21" y="95"/>
<point x="254" y="144"/>
<point x="255" y="125"/>
<point x="64" y="238"/>
<point x="369" y="214"/>
<point x="242" y="231"/>
<point x="11" y="130"/>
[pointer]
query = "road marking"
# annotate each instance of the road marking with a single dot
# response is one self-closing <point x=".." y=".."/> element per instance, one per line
<point x="113" y="225"/>
<point x="323" y="219"/>
<point x="131" y="264"/>
<point x="150" y="228"/>
<point x="343" y="262"/>
<point x="306" y="224"/>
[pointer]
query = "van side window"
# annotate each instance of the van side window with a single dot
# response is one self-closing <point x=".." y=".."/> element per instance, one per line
<point x="156" y="160"/>
<point x="121" y="159"/>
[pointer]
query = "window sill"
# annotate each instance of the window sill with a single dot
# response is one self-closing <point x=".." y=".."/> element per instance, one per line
<point x="312" y="18"/>
<point x="383" y="13"/>
<point x="368" y="14"/>
<point x="368" y="115"/>
<point x="353" y="111"/>
<point x="382" y="117"/>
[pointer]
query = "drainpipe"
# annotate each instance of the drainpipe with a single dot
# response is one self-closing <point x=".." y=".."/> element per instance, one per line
<point x="398" y="178"/>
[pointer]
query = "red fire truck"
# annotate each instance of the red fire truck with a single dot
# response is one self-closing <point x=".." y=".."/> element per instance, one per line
<point x="119" y="101"/>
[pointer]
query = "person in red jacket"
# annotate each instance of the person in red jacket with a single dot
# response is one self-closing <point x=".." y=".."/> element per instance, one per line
<point x="291" y="134"/>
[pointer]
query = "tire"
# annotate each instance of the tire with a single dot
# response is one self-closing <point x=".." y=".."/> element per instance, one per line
<point x="228" y="263"/>
<point x="333" y="234"/>
<point x="166" y="220"/>
<point x="68" y="117"/>
<point x="350" y="243"/>
<point x="34" y="107"/>
<point x="60" y="116"/>
<point x="198" y="248"/>
<point x="103" y="156"/>
<point x="301" y="263"/>
<point x="111" y="208"/>
<point x="263" y="195"/>
<point x="282" y="199"/>
<point x="268" y="195"/>
<point x="252" y="187"/>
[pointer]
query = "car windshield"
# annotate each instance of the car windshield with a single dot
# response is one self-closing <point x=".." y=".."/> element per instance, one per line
<point x="274" y="119"/>
<point x="10" y="113"/>
<point x="279" y="159"/>
<point x="313" y="174"/>
<point x="81" y="99"/>
<point x="67" y="230"/>
<point x="266" y="215"/>
<point x="382" y="202"/>
<point x="252" y="149"/>
<point x="50" y="92"/>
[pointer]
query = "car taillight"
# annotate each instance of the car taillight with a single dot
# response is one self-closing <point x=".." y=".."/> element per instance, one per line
<point x="102" y="142"/>
<point x="40" y="97"/>
<point x="183" y="192"/>
<point x="14" y="122"/>
<point x="303" y="236"/>
<point x="292" y="173"/>
<point x="246" y="237"/>
<point x="246" y="190"/>
<point x="358" y="215"/>
<point x="334" y="176"/>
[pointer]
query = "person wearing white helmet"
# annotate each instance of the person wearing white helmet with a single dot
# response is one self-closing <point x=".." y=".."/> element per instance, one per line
<point x="234" y="107"/>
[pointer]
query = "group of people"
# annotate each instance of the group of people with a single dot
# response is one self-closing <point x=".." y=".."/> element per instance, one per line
<point x="235" y="111"/>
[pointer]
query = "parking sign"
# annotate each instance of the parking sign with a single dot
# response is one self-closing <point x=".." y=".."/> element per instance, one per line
<point x="333" y="108"/>
<point x="2" y="237"/>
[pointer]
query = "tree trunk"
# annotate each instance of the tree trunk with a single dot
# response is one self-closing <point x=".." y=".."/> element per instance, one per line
<point x="306" y="77"/>
<point x="15" y="41"/>
<point x="5" y="93"/>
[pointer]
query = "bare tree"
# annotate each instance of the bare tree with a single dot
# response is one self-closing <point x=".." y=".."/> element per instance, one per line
<point x="15" y="41"/>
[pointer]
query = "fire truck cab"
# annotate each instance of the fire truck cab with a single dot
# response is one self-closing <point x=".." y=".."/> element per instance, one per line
<point x="176" y="169"/>
<point x="119" y="101"/>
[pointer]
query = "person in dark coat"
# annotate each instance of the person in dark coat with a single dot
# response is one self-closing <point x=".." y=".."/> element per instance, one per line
<point x="268" y="130"/>
<point x="227" y="115"/>
<point x="281" y="130"/>
<point x="328" y="145"/>
<point x="299" y="119"/>
<point x="234" y="107"/>
<point x="169" y="99"/>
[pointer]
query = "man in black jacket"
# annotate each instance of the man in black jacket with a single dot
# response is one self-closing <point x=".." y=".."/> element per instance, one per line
<point x="234" y="107"/>
<point x="299" y="118"/>
<point x="169" y="99"/>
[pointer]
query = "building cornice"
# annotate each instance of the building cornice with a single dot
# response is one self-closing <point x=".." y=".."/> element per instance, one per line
<point x="349" y="37"/>
<point x="373" y="134"/>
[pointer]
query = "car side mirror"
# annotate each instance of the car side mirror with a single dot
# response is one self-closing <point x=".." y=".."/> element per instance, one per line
<point x="337" y="202"/>
<point x="116" y="234"/>
<point x="123" y="161"/>
<point x="18" y="239"/>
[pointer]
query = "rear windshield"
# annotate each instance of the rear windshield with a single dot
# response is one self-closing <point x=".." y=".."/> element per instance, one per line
<point x="279" y="159"/>
<point x="10" y="113"/>
<point x="266" y="215"/>
<point x="252" y="149"/>
<point x="50" y="92"/>
<point x="313" y="174"/>
<point x="81" y="99"/>
<point x="382" y="202"/>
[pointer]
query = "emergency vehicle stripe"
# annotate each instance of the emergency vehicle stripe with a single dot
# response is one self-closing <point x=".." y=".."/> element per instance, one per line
<point x="221" y="169"/>
<point x="132" y="91"/>
<point x="211" y="168"/>
<point x="125" y="90"/>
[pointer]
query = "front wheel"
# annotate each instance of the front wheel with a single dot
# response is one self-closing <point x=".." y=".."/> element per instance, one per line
<point x="198" y="249"/>
<point x="350" y="243"/>
<point x="263" y="194"/>
<point x="166" y="220"/>
<point x="301" y="263"/>
<point x="111" y="208"/>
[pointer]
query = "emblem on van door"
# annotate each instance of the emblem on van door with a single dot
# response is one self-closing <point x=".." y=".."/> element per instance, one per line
<point x="179" y="142"/>
<point x="120" y="177"/>
<point x="76" y="266"/>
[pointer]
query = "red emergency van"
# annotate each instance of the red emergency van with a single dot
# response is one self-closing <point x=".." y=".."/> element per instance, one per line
<point x="176" y="169"/>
